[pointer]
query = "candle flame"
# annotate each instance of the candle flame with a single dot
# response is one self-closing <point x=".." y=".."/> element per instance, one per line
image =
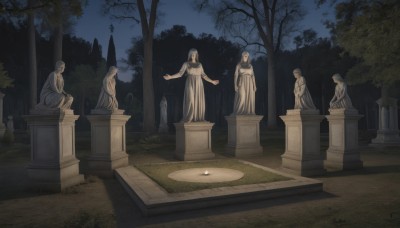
<point x="206" y="172"/>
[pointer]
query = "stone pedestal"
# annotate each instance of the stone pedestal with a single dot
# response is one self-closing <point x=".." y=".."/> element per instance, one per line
<point x="243" y="135"/>
<point x="53" y="166"/>
<point x="388" y="132"/>
<point x="343" y="153"/>
<point x="2" y="126"/>
<point x="108" y="136"/>
<point x="303" y="154"/>
<point x="193" y="141"/>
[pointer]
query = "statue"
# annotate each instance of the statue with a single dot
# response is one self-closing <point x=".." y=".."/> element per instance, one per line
<point x="107" y="100"/>
<point x="194" y="99"/>
<point x="302" y="98"/>
<point x="163" y="115"/>
<point x="53" y="95"/>
<point x="245" y="87"/>
<point x="341" y="99"/>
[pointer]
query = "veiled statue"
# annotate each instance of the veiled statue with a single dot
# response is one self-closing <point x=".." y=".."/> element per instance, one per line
<point x="341" y="99"/>
<point x="107" y="99"/>
<point x="302" y="98"/>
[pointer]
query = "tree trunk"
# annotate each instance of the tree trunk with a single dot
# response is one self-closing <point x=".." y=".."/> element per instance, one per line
<point x="58" y="38"/>
<point x="271" y="122"/>
<point x="148" y="91"/>
<point x="32" y="57"/>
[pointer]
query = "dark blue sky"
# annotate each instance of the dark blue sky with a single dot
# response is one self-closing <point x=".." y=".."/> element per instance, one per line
<point x="93" y="24"/>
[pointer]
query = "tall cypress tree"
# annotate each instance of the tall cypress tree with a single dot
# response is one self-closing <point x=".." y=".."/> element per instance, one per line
<point x="95" y="54"/>
<point x="111" y="58"/>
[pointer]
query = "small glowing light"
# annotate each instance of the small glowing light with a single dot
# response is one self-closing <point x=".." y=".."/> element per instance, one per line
<point x="206" y="173"/>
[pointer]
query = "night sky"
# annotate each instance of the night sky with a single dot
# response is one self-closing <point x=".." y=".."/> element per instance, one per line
<point x="93" y="24"/>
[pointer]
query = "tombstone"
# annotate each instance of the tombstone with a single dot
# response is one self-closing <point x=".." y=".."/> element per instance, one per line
<point x="302" y="142"/>
<point x="2" y="127"/>
<point x="243" y="135"/>
<point x="163" y="128"/>
<point x="10" y="124"/>
<point x="343" y="153"/>
<point x="388" y="132"/>
<point x="193" y="141"/>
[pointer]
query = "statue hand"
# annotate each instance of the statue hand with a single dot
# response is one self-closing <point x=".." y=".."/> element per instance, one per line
<point x="236" y="88"/>
<point x="255" y="89"/>
<point x="167" y="77"/>
<point x="216" y="82"/>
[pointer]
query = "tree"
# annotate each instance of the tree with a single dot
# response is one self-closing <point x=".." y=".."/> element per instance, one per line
<point x="5" y="80"/>
<point x="32" y="55"/>
<point x="95" y="55"/>
<point x="125" y="10"/>
<point x="369" y="30"/>
<point x="59" y="18"/>
<point x="271" y="20"/>
<point x="111" y="56"/>
<point x="84" y="83"/>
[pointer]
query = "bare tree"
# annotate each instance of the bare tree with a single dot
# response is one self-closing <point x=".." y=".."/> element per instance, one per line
<point x="263" y="23"/>
<point x="32" y="55"/>
<point x="147" y="18"/>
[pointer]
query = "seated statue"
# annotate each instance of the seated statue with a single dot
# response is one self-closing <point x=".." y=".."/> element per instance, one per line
<point x="341" y="99"/>
<point x="52" y="95"/>
<point x="107" y="102"/>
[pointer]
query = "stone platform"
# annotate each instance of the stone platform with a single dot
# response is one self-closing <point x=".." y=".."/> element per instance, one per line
<point x="152" y="199"/>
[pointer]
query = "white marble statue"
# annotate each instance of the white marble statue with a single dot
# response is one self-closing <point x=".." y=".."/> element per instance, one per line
<point x="341" y="99"/>
<point x="194" y="99"/>
<point x="52" y="95"/>
<point x="245" y="87"/>
<point x="107" y="99"/>
<point x="302" y="98"/>
<point x="163" y="115"/>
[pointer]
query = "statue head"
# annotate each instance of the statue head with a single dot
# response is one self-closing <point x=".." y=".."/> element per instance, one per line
<point x="60" y="66"/>
<point x="297" y="72"/>
<point x="337" y="77"/>
<point x="112" y="70"/>
<point x="245" y="57"/>
<point x="194" y="52"/>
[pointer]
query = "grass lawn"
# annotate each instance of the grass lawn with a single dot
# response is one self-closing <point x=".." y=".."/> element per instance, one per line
<point x="252" y="175"/>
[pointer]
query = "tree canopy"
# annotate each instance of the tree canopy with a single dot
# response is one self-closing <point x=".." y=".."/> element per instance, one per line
<point x="370" y="31"/>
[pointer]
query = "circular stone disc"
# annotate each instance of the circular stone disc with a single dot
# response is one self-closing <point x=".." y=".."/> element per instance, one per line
<point x="197" y="175"/>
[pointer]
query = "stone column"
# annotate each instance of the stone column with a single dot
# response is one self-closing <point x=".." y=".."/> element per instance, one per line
<point x="193" y="141"/>
<point x="243" y="135"/>
<point x="302" y="146"/>
<point x="343" y="153"/>
<point x="108" y="143"/>
<point x="388" y="132"/>
<point x="2" y="126"/>
<point x="53" y="166"/>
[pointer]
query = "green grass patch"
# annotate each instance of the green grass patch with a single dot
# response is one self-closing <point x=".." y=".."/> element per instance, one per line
<point x="252" y="175"/>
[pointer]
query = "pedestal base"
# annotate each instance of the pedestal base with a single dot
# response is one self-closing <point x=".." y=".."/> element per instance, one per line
<point x="301" y="166"/>
<point x="54" y="178"/>
<point x="343" y="153"/>
<point x="53" y="166"/>
<point x="302" y="147"/>
<point x="386" y="138"/>
<point x="243" y="135"/>
<point x="343" y="160"/>
<point x="108" y="137"/>
<point x="193" y="141"/>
